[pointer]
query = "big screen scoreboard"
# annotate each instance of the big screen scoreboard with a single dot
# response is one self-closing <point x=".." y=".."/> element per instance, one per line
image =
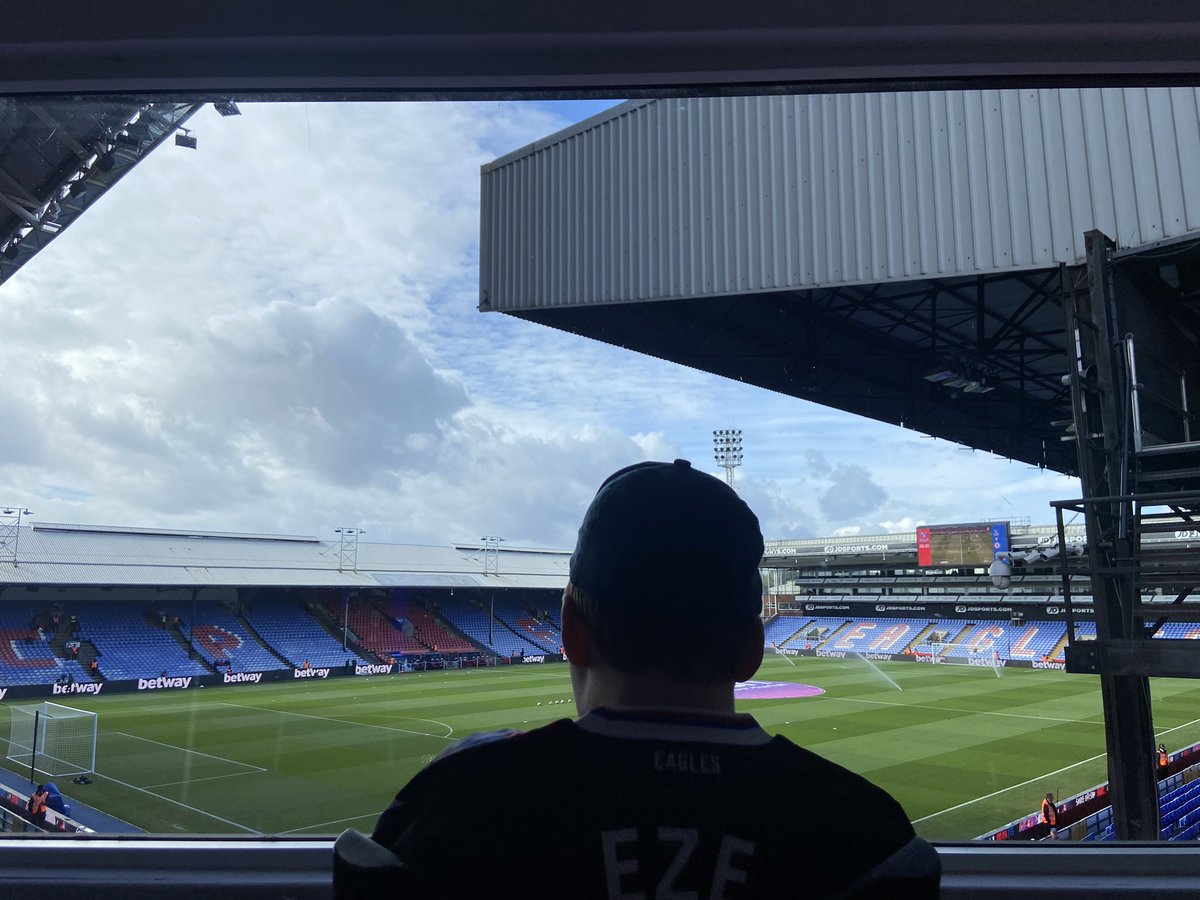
<point x="974" y="545"/>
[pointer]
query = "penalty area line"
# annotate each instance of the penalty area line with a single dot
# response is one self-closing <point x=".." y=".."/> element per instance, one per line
<point x="393" y="728"/>
<point x="203" y="812"/>
<point x="151" y="787"/>
<point x="232" y="762"/>
<point x="370" y="815"/>
<point x="1013" y="787"/>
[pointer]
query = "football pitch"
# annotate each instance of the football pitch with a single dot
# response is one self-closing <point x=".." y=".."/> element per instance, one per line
<point x="962" y="749"/>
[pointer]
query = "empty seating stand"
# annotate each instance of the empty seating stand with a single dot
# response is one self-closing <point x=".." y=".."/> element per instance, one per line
<point x="472" y="621"/>
<point x="131" y="648"/>
<point x="427" y="629"/>
<point x="219" y="637"/>
<point x="377" y="632"/>
<point x="782" y="627"/>
<point x="292" y="632"/>
<point x="883" y="635"/>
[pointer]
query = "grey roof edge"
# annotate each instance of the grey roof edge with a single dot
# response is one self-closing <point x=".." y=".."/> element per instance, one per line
<point x="587" y="124"/>
<point x="139" y="531"/>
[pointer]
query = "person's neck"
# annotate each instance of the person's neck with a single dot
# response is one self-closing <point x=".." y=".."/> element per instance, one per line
<point x="615" y="691"/>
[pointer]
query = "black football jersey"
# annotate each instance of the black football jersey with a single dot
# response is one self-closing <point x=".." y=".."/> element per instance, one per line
<point x="651" y="804"/>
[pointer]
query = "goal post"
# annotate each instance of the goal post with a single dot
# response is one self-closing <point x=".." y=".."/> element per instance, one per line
<point x="53" y="739"/>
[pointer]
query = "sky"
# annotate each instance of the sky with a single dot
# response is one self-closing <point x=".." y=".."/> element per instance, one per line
<point x="277" y="332"/>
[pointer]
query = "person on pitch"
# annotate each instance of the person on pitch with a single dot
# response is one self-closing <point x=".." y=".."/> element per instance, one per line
<point x="659" y="788"/>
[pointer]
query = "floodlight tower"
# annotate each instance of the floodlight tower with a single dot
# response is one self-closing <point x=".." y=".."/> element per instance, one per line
<point x="727" y="450"/>
<point x="10" y="531"/>
<point x="491" y="554"/>
<point x="348" y="548"/>
<point x="491" y="564"/>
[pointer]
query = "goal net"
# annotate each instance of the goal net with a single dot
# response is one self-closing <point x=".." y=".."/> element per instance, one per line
<point x="937" y="651"/>
<point x="54" y="739"/>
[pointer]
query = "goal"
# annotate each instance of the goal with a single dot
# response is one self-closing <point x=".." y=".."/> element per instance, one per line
<point x="53" y="739"/>
<point x="937" y="651"/>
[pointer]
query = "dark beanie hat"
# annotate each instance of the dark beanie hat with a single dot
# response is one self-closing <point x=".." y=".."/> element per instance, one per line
<point x="665" y="538"/>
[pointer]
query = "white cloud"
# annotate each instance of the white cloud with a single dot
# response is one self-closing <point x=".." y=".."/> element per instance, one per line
<point x="277" y="332"/>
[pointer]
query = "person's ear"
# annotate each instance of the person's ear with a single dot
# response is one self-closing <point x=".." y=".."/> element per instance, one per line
<point x="751" y="656"/>
<point x="577" y="638"/>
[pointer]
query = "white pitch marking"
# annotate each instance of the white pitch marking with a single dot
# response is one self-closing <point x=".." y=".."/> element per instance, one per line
<point x="284" y="712"/>
<point x="188" y="750"/>
<point x="151" y="787"/>
<point x="370" y="815"/>
<point x="1013" y="787"/>
<point x="134" y="787"/>
<point x="974" y="712"/>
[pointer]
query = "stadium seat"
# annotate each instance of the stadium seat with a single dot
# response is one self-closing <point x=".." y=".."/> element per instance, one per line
<point x="506" y="637"/>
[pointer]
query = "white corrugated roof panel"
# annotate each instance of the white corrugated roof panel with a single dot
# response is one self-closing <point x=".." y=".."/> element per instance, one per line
<point x="669" y="199"/>
<point x="140" y="557"/>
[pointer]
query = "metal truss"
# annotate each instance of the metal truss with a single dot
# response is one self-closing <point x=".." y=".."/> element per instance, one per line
<point x="1128" y="568"/>
<point x="54" y="165"/>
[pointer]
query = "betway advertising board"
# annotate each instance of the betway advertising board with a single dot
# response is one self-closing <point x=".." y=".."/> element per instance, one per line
<point x="81" y="690"/>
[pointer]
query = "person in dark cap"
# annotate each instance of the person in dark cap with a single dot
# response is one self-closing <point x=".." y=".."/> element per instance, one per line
<point x="659" y="788"/>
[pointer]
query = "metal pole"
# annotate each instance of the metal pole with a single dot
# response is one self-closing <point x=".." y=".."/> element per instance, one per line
<point x="192" y="627"/>
<point x="37" y="715"/>
<point x="1066" y="575"/>
<point x="1103" y="469"/>
<point x="17" y="536"/>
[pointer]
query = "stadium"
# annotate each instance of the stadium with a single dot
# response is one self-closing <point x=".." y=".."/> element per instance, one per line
<point x="168" y="667"/>
<point x="977" y="227"/>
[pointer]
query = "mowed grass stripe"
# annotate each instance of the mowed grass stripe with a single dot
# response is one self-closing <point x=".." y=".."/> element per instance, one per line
<point x="336" y="751"/>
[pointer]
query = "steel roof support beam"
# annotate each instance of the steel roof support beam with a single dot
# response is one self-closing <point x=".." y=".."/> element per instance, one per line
<point x="1097" y="388"/>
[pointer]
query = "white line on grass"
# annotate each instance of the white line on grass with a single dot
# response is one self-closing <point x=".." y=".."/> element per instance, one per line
<point x="205" y="778"/>
<point x="370" y="815"/>
<point x="975" y="712"/>
<point x="134" y="787"/>
<point x="1013" y="787"/>
<point x="287" y="712"/>
<point x="188" y="750"/>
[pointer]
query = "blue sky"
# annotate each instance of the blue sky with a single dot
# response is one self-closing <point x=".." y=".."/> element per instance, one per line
<point x="278" y="332"/>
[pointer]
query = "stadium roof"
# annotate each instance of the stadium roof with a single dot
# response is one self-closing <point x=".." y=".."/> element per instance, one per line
<point x="47" y="553"/>
<point x="900" y="256"/>
<point x="58" y="157"/>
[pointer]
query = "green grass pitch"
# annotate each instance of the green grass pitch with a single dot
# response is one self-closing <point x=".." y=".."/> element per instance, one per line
<point x="963" y="750"/>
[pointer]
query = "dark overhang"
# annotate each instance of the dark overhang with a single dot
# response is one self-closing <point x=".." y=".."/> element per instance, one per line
<point x="552" y="48"/>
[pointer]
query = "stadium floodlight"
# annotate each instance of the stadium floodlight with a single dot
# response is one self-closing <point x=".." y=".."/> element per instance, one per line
<point x="12" y="250"/>
<point x="727" y="450"/>
<point x="348" y="547"/>
<point x="185" y="138"/>
<point x="10" y="532"/>
<point x="940" y="373"/>
<point x="226" y="108"/>
<point x="491" y="554"/>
